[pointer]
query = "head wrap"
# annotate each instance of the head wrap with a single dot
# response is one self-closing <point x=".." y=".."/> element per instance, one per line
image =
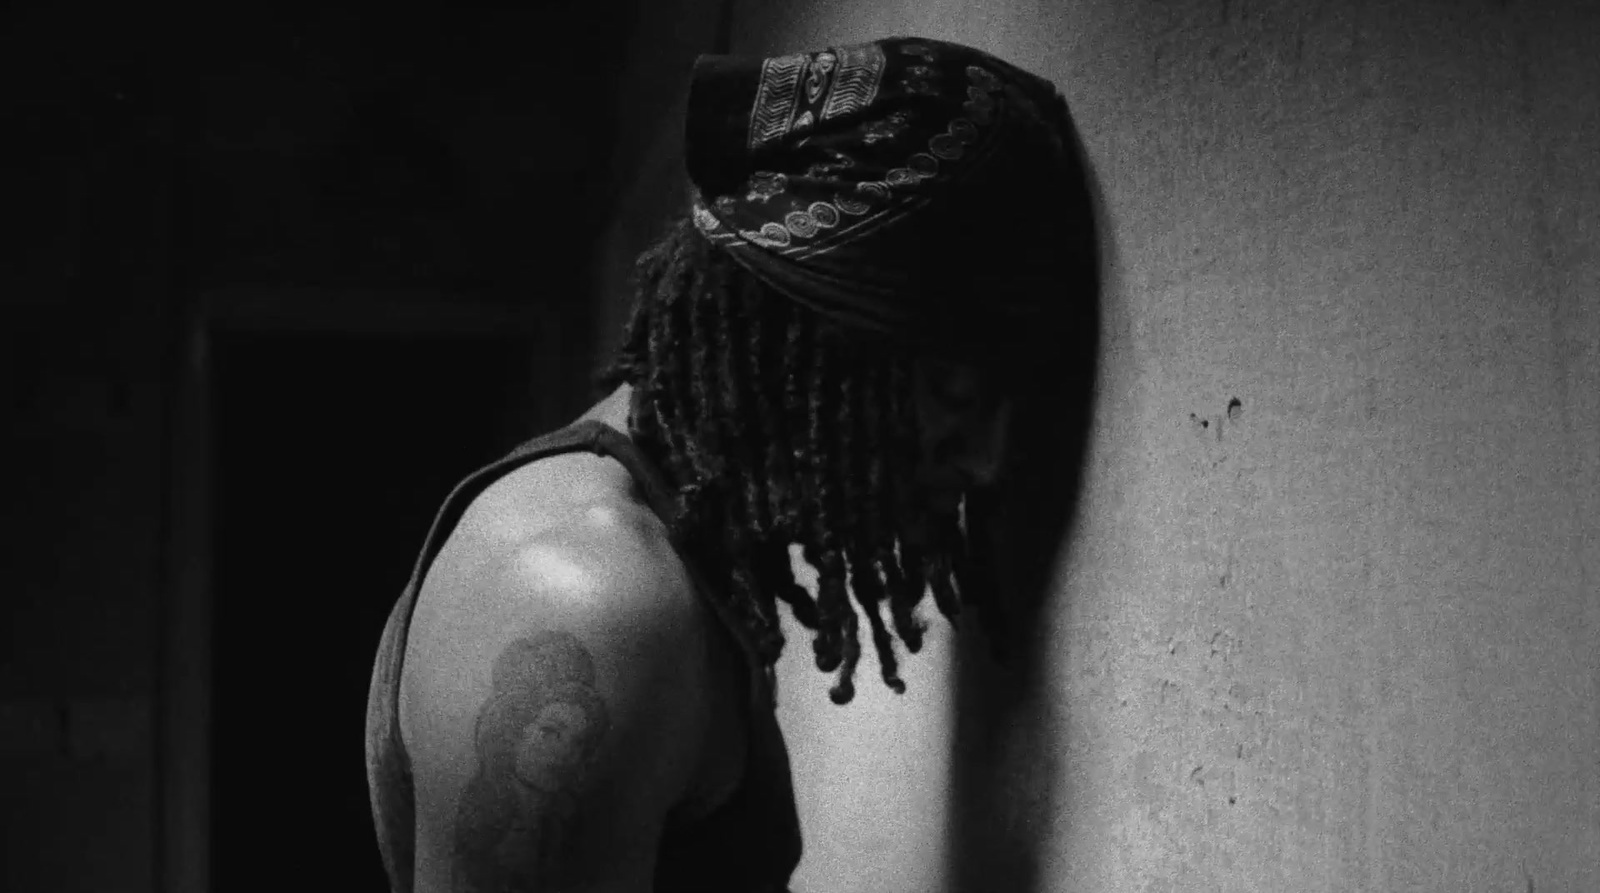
<point x="923" y="190"/>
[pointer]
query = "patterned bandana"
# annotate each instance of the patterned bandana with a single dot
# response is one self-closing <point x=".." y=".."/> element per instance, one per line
<point x="923" y="190"/>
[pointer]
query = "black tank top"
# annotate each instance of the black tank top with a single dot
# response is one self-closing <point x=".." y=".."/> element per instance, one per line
<point x="751" y="844"/>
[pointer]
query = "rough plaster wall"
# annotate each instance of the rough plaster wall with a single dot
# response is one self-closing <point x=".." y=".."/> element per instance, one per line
<point x="1341" y="634"/>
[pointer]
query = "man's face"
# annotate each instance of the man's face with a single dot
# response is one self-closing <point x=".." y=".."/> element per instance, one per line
<point x="964" y="416"/>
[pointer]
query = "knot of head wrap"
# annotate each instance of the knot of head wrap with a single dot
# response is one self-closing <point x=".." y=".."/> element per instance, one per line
<point x="922" y="190"/>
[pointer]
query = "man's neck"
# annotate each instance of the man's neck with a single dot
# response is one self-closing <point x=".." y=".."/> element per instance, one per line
<point x="613" y="410"/>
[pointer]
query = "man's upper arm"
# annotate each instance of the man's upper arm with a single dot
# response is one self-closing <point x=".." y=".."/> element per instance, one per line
<point x="552" y="711"/>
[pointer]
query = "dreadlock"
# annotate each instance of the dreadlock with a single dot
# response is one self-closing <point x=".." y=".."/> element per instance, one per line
<point x="776" y="429"/>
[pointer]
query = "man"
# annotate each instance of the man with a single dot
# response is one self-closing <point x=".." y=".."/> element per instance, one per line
<point x="576" y="691"/>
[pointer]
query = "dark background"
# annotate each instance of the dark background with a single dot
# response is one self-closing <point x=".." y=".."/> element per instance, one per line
<point x="276" y="281"/>
<point x="309" y="557"/>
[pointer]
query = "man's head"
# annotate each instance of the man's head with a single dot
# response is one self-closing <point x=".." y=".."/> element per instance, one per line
<point x="779" y="427"/>
<point x="823" y="347"/>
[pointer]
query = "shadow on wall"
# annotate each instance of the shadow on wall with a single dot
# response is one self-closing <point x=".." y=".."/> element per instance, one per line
<point x="1003" y="788"/>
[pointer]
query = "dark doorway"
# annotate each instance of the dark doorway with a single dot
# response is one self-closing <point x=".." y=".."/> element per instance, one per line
<point x="332" y="452"/>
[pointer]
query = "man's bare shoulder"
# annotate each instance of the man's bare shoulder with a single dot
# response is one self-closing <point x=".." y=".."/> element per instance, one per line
<point x="545" y="685"/>
<point x="560" y="537"/>
<point x="569" y="494"/>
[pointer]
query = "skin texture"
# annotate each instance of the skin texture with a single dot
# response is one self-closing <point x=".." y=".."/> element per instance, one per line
<point x="534" y="740"/>
<point x="557" y="690"/>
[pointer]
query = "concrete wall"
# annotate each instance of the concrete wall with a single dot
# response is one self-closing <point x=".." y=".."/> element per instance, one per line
<point x="1331" y="614"/>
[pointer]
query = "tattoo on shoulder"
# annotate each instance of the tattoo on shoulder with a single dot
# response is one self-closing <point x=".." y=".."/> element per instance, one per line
<point x="535" y="741"/>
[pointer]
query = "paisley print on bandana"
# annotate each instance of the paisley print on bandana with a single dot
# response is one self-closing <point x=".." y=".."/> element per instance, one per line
<point x="842" y="82"/>
<point x="839" y="172"/>
<point x="765" y="184"/>
<point x="774" y="105"/>
<point x="856" y="85"/>
<point x="836" y="83"/>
